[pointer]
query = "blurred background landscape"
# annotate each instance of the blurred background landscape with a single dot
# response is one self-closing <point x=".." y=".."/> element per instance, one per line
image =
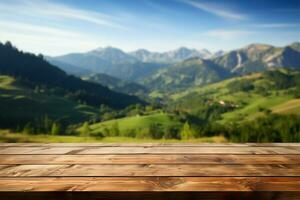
<point x="150" y="70"/>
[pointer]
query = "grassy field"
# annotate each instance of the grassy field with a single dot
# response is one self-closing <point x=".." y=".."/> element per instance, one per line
<point x="6" y="136"/>
<point x="291" y="106"/>
<point x="23" y="104"/>
<point x="135" y="123"/>
<point x="215" y="89"/>
<point x="254" y="104"/>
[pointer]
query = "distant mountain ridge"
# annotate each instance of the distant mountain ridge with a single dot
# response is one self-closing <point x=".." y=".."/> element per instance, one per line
<point x="198" y="72"/>
<point x="183" y="67"/>
<point x="129" y="66"/>
<point x="110" y="61"/>
<point x="174" y="56"/>
<point x="259" y="57"/>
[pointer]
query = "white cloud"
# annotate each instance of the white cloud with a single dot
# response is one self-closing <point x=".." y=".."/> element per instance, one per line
<point x="59" y="11"/>
<point x="47" y="40"/>
<point x="216" y="10"/>
<point x="54" y="28"/>
<point x="50" y="44"/>
<point x="21" y="28"/>
<point x="227" y="34"/>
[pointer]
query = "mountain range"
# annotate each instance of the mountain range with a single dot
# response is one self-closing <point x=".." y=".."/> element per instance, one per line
<point x="181" y="68"/>
<point x="260" y="57"/>
<point x="174" y="56"/>
<point x="130" y="66"/>
<point x="198" y="72"/>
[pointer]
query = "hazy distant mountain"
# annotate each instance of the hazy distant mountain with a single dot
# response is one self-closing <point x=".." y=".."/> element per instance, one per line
<point x="174" y="56"/>
<point x="296" y="46"/>
<point x="70" y="69"/>
<point x="112" y="55"/>
<point x="117" y="63"/>
<point x="142" y="63"/>
<point x="218" y="53"/>
<point x="189" y="73"/>
<point x="100" y="59"/>
<point x="111" y="61"/>
<point x="116" y="84"/>
<point x="259" y="57"/>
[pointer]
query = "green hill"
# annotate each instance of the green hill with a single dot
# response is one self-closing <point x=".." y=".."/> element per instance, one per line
<point x="135" y="125"/>
<point x="20" y="104"/>
<point x="244" y="98"/>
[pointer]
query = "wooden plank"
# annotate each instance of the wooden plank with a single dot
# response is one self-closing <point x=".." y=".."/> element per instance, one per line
<point x="150" y="150"/>
<point x="39" y="150"/>
<point x="148" y="159"/>
<point x="151" y="184"/>
<point x="149" y="170"/>
<point x="191" y="150"/>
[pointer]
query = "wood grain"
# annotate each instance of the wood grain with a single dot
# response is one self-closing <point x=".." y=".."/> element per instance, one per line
<point x="150" y="150"/>
<point x="150" y="171"/>
<point x="181" y="144"/>
<point x="148" y="159"/>
<point x="151" y="184"/>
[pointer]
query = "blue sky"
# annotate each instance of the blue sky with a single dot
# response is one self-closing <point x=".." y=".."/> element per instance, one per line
<point x="55" y="27"/>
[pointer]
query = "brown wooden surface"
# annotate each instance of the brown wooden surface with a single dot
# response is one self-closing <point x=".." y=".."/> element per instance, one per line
<point x="170" y="150"/>
<point x="217" y="171"/>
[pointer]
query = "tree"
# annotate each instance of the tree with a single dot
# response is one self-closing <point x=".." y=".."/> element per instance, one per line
<point x="115" y="131"/>
<point x="187" y="132"/>
<point x="8" y="44"/>
<point x="86" y="129"/>
<point x="56" y="129"/>
<point x="170" y="132"/>
<point x="155" y="131"/>
<point x="47" y="124"/>
<point x="28" y="129"/>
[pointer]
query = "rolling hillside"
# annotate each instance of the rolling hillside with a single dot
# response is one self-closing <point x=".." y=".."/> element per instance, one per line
<point x="20" y="104"/>
<point x="135" y="125"/>
<point x="244" y="98"/>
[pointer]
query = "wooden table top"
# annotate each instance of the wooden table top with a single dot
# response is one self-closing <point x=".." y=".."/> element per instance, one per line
<point x="150" y="167"/>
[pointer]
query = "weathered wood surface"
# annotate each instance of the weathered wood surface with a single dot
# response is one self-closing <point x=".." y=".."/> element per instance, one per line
<point x="209" y="171"/>
<point x="170" y="150"/>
